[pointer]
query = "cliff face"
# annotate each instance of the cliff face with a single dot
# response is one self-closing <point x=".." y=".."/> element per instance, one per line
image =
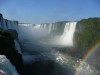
<point x="87" y="34"/>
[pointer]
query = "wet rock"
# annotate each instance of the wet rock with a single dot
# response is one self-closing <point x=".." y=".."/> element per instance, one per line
<point x="7" y="48"/>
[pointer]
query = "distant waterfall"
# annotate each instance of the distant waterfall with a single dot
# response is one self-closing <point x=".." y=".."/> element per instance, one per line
<point x="8" y="24"/>
<point x="37" y="26"/>
<point x="50" y="27"/>
<point x="55" y="34"/>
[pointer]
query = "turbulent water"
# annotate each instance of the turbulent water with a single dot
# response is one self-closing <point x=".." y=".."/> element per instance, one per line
<point x="6" y="67"/>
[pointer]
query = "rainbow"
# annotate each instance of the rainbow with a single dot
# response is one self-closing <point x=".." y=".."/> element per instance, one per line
<point x="90" y="51"/>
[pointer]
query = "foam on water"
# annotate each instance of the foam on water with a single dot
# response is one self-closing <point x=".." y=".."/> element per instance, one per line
<point x="6" y="67"/>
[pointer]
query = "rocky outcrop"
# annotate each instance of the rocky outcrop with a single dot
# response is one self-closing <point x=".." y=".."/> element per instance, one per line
<point x="9" y="43"/>
<point x="1" y="21"/>
<point x="7" y="48"/>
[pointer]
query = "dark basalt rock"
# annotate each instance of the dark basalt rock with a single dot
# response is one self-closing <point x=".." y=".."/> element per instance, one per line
<point x="1" y="16"/>
<point x="13" y="33"/>
<point x="7" y="48"/>
<point x="1" y="21"/>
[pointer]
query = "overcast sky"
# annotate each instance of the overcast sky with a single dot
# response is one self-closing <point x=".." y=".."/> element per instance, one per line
<point x="40" y="11"/>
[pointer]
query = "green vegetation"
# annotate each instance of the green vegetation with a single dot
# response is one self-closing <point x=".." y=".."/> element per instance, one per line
<point x="87" y="34"/>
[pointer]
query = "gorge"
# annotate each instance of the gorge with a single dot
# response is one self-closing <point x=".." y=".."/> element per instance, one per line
<point x="58" y="48"/>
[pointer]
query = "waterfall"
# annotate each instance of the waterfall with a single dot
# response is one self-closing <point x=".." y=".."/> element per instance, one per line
<point x="8" y="24"/>
<point x="67" y="36"/>
<point x="37" y="26"/>
<point x="17" y="46"/>
<point x="55" y="34"/>
<point x="50" y="27"/>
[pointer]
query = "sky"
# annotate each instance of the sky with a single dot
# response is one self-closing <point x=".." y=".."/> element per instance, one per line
<point x="46" y="11"/>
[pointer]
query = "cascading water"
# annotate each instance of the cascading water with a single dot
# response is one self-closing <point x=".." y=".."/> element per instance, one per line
<point x="37" y="26"/>
<point x="50" y="27"/>
<point x="64" y="39"/>
<point x="67" y="36"/>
